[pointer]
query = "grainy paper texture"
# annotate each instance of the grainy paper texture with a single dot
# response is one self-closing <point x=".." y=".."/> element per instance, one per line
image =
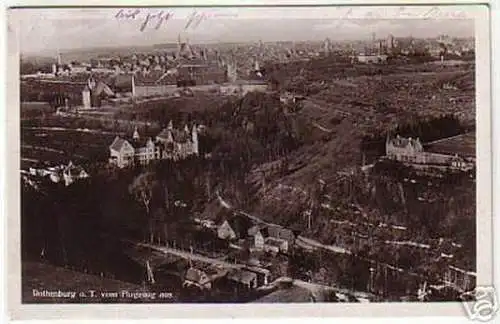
<point x="177" y="158"/>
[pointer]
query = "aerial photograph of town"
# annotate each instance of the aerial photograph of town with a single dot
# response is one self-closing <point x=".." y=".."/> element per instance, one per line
<point x="222" y="155"/>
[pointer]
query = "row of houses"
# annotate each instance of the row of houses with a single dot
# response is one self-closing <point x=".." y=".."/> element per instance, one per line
<point x="243" y="232"/>
<point x="203" y="277"/>
<point x="66" y="174"/>
<point x="197" y="274"/>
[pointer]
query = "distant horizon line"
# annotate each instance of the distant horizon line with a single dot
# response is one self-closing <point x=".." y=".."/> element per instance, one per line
<point x="69" y="50"/>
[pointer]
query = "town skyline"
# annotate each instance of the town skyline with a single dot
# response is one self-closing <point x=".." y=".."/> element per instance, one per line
<point x="76" y="29"/>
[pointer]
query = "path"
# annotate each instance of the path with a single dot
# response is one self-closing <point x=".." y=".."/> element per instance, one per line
<point x="191" y="256"/>
<point x="313" y="244"/>
<point x="322" y="128"/>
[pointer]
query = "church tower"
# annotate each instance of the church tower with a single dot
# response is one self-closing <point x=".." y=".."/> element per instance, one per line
<point x="86" y="101"/>
<point x="232" y="73"/>
<point x="256" y="65"/>
<point x="133" y="85"/>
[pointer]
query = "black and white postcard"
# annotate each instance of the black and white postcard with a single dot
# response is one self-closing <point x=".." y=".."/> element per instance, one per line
<point x="183" y="158"/>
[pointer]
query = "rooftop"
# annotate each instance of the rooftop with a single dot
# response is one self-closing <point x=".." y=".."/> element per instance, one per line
<point x="242" y="276"/>
<point x="404" y="142"/>
<point x="117" y="144"/>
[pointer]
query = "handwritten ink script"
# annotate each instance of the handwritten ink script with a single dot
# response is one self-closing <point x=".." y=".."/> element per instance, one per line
<point x="401" y="12"/>
<point x="343" y="14"/>
<point x="155" y="20"/>
<point x="196" y="18"/>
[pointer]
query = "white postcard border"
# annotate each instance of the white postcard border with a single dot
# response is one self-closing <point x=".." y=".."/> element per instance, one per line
<point x="133" y="311"/>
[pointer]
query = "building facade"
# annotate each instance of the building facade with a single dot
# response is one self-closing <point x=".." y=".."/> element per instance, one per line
<point x="402" y="149"/>
<point x="226" y="232"/>
<point x="169" y="144"/>
<point x="408" y="150"/>
<point x="66" y="174"/>
<point x="371" y="59"/>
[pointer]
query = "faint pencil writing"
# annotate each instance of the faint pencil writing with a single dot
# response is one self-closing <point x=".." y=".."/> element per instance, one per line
<point x="399" y="12"/>
<point x="438" y="13"/>
<point x="196" y="18"/>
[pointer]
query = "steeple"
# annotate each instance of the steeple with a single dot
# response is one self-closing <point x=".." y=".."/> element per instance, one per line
<point x="170" y="125"/>
<point x="184" y="49"/>
<point x="232" y="73"/>
<point x="186" y="128"/>
<point x="59" y="60"/>
<point x="136" y="134"/>
<point x="256" y="65"/>
<point x="133" y="84"/>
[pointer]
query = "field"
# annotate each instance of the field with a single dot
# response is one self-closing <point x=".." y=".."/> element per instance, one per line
<point x="463" y="144"/>
<point x="35" y="109"/>
<point x="59" y="144"/>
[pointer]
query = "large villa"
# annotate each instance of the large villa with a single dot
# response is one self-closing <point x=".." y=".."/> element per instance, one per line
<point x="170" y="143"/>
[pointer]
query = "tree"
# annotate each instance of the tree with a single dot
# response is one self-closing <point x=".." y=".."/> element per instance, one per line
<point x="142" y="188"/>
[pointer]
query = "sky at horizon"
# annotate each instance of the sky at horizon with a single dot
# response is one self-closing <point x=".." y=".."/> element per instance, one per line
<point x="49" y="30"/>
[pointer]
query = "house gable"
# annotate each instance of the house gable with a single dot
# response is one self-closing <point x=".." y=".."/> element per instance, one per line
<point x="127" y="148"/>
<point x="225" y="231"/>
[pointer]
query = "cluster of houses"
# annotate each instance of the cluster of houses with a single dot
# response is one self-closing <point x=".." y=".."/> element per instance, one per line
<point x="66" y="174"/>
<point x="170" y="143"/>
<point x="268" y="238"/>
<point x="203" y="277"/>
<point x="241" y="233"/>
